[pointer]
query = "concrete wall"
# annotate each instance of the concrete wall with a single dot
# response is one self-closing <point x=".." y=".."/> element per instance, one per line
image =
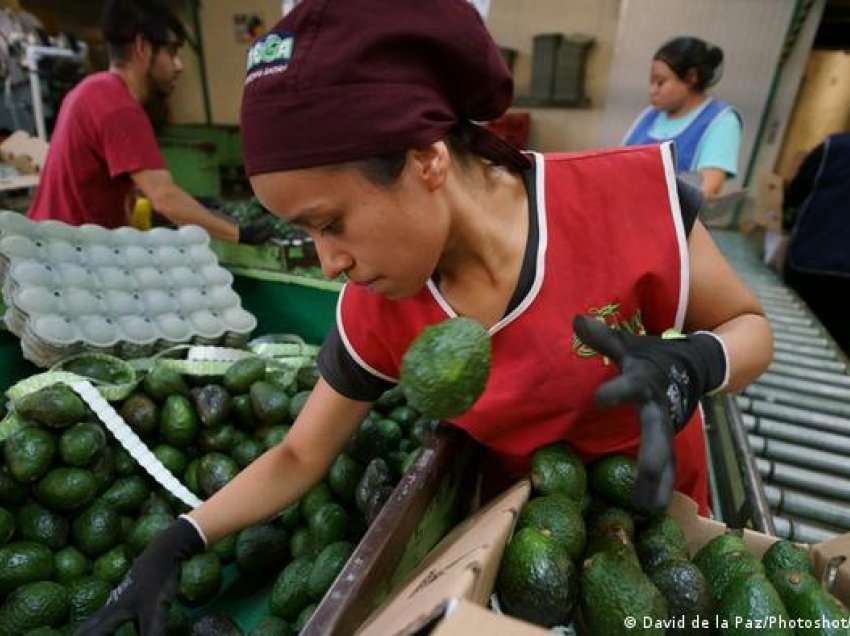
<point x="514" y="23"/>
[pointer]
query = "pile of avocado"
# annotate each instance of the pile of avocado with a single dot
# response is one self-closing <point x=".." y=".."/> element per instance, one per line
<point x="251" y="210"/>
<point x="581" y="554"/>
<point x="75" y="508"/>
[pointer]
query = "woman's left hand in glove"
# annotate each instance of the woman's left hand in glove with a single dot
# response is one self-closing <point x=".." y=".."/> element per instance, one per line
<point x="664" y="378"/>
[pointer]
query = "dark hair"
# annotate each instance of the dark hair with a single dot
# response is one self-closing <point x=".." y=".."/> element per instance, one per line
<point x="154" y="20"/>
<point x="461" y="140"/>
<point x="685" y="53"/>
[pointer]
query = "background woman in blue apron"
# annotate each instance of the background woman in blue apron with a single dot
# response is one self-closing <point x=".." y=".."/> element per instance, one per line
<point x="705" y="130"/>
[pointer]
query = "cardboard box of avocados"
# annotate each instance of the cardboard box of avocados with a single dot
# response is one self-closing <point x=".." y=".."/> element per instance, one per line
<point x="462" y="566"/>
<point x="699" y="531"/>
<point x="460" y="572"/>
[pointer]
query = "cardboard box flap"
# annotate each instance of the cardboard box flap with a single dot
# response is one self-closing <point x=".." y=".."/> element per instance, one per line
<point x="464" y="618"/>
<point x="463" y="565"/>
<point x="823" y="553"/>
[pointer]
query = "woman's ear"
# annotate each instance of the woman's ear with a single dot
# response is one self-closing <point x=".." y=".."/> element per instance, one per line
<point x="431" y="164"/>
<point x="692" y="78"/>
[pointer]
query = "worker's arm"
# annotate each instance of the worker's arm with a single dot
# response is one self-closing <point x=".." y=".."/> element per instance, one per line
<point x="276" y="479"/>
<point x="712" y="181"/>
<point x="719" y="302"/>
<point x="179" y="207"/>
<point x="284" y="473"/>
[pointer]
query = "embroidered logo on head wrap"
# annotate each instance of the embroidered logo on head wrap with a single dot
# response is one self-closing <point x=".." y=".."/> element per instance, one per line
<point x="269" y="55"/>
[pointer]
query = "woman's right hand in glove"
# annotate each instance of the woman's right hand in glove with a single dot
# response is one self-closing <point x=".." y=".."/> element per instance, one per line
<point x="145" y="593"/>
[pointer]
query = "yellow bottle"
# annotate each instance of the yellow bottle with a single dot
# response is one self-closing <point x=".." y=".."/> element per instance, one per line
<point x="141" y="218"/>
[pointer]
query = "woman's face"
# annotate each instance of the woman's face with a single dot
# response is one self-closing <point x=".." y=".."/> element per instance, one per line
<point x="667" y="91"/>
<point x="387" y="238"/>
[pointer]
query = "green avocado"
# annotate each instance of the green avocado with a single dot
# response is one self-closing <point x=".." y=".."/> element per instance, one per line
<point x="327" y="567"/>
<point x="243" y="411"/>
<point x="243" y="373"/>
<point x="81" y="444"/>
<point x="174" y="459"/>
<point x="200" y="578"/>
<point x="70" y="564"/>
<point x="376" y="479"/>
<point x="727" y="568"/>
<point x="614" y="590"/>
<point x="29" y="453"/>
<point x="753" y="601"/>
<point x="344" y="475"/>
<point x="215" y="470"/>
<point x="445" y="369"/>
<point x="785" y="555"/>
<point x="290" y="593"/>
<point x="297" y="403"/>
<point x="247" y="452"/>
<point x="141" y="414"/>
<point x="97" y="529"/>
<point x="34" y="605"/>
<point x="37" y="523"/>
<point x="66" y="489"/>
<point x="557" y="469"/>
<point x="178" y="423"/>
<point x="329" y="523"/>
<point x="659" y="541"/>
<point x="55" y="406"/>
<point x="613" y="478"/>
<point x="85" y="597"/>
<point x="806" y="599"/>
<point x="112" y="566"/>
<point x="270" y="403"/>
<point x="212" y="404"/>
<point x="537" y="580"/>
<point x="262" y="548"/>
<point x="558" y="517"/>
<point x="24" y="562"/>
<point x="684" y="588"/>
<point x="146" y="529"/>
<point x="162" y="382"/>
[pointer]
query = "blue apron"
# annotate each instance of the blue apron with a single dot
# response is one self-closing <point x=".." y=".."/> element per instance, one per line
<point x="688" y="141"/>
<point x="820" y="242"/>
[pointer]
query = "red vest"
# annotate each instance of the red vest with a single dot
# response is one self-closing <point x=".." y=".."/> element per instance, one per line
<point x="612" y="244"/>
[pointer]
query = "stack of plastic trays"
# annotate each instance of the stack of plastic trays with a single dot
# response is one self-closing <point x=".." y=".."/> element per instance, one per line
<point x="129" y="293"/>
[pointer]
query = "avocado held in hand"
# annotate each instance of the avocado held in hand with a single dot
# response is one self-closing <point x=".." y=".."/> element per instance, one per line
<point x="445" y="369"/>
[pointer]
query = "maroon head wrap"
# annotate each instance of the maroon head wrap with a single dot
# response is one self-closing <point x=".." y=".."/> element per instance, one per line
<point x="341" y="80"/>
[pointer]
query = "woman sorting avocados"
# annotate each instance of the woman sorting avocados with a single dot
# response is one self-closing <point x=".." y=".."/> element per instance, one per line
<point x="706" y="131"/>
<point x="357" y="123"/>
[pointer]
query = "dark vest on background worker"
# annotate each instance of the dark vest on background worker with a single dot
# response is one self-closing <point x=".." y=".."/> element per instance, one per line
<point x="820" y="243"/>
<point x="690" y="140"/>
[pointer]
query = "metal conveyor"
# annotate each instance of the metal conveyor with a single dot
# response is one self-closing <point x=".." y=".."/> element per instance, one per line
<point x="792" y="425"/>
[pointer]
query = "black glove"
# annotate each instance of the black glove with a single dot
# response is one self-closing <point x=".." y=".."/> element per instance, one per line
<point x="665" y="379"/>
<point x="256" y="232"/>
<point x="145" y="593"/>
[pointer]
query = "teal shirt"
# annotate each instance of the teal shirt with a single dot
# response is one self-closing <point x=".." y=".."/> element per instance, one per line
<point x="719" y="146"/>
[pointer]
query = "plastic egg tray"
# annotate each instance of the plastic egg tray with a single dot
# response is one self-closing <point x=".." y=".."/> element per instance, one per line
<point x="69" y="289"/>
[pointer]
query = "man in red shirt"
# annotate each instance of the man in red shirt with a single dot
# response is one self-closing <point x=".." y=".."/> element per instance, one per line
<point x="103" y="145"/>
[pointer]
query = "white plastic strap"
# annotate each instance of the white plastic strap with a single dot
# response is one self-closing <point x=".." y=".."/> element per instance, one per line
<point x="133" y="444"/>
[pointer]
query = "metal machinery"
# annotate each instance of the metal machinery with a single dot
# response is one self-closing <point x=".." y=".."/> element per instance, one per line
<point x="37" y="70"/>
<point x="779" y="448"/>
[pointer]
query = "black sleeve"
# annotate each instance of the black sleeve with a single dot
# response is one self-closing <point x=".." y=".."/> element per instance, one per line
<point x="690" y="202"/>
<point x="803" y="182"/>
<point x="343" y="373"/>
